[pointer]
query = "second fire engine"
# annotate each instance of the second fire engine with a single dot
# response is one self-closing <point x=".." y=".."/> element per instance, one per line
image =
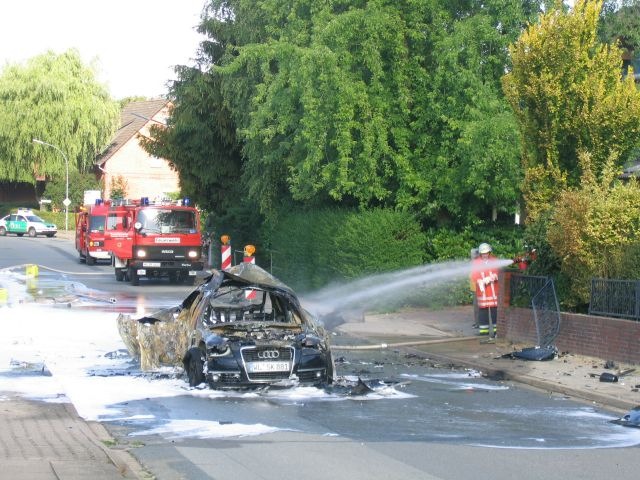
<point x="90" y="235"/>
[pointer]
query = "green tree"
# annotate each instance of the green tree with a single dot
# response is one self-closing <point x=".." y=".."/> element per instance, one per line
<point x="466" y="123"/>
<point x="354" y="103"/>
<point x="118" y="188"/>
<point x="592" y="227"/>
<point x="57" y="99"/>
<point x="620" y="21"/>
<point x="569" y="96"/>
<point x="56" y="188"/>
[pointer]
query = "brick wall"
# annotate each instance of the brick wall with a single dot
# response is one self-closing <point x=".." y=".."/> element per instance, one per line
<point x="602" y="337"/>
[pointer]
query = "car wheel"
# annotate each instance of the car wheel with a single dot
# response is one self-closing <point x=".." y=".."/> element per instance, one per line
<point x="90" y="260"/>
<point x="3" y="231"/>
<point x="32" y="232"/>
<point x="133" y="277"/>
<point x="194" y="366"/>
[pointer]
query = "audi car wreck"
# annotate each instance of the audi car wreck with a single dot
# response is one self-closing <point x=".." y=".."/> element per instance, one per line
<point x="241" y="328"/>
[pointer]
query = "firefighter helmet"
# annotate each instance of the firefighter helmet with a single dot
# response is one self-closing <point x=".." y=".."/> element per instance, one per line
<point x="484" y="248"/>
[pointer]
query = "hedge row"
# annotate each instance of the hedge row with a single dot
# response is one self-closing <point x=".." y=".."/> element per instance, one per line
<point x="313" y="249"/>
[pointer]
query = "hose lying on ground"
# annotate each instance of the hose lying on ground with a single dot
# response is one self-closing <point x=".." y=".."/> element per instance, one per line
<point x="382" y="346"/>
<point x="44" y="267"/>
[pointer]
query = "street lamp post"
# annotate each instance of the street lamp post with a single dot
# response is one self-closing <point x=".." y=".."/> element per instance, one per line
<point x="66" y="201"/>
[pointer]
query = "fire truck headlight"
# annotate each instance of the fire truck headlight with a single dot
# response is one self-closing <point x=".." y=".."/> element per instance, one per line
<point x="141" y="253"/>
<point x="193" y="254"/>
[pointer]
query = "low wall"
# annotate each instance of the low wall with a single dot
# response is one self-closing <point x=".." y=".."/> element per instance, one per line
<point x="602" y="337"/>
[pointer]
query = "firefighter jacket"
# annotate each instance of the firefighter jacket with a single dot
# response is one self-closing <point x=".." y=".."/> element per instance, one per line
<point x="485" y="278"/>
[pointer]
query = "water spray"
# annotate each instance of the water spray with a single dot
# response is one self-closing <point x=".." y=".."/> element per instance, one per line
<point x="378" y="287"/>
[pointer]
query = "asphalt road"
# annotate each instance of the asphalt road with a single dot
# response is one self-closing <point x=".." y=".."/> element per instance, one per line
<point x="445" y="424"/>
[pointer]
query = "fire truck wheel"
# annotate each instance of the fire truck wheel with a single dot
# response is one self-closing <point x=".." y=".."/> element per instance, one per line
<point x="189" y="279"/>
<point x="173" y="277"/>
<point x="119" y="275"/>
<point x="81" y="258"/>
<point x="91" y="260"/>
<point x="133" y="277"/>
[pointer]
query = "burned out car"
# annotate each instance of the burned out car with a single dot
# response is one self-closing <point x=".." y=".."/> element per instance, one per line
<point x="245" y="328"/>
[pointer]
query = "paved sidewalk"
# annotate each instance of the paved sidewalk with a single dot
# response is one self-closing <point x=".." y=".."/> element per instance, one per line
<point x="49" y="441"/>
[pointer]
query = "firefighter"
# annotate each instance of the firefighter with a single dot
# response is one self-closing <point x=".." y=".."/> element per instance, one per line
<point x="485" y="277"/>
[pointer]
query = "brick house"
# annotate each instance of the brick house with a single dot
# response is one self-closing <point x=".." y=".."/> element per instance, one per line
<point x="124" y="162"/>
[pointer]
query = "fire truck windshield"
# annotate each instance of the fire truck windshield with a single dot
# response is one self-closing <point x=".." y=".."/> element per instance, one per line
<point x="96" y="223"/>
<point x="156" y="220"/>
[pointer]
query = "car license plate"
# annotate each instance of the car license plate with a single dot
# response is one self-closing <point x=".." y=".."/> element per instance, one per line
<point x="255" y="367"/>
<point x="151" y="264"/>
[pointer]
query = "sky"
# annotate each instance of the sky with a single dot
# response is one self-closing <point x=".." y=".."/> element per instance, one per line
<point x="136" y="42"/>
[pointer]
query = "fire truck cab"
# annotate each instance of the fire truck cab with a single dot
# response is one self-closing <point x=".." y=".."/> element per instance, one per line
<point x="152" y="240"/>
<point x="90" y="233"/>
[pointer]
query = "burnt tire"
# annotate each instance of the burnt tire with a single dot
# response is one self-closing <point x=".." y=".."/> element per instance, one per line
<point x="193" y="363"/>
<point x="32" y="232"/>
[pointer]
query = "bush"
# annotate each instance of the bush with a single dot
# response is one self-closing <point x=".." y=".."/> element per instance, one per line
<point x="445" y="244"/>
<point x="594" y="230"/>
<point x="314" y="248"/>
<point x="57" y="218"/>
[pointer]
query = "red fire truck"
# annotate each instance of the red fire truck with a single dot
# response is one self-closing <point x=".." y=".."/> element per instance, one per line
<point x="90" y="236"/>
<point x="151" y="240"/>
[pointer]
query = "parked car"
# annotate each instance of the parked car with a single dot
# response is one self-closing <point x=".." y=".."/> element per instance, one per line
<point x="244" y="328"/>
<point x="25" y="221"/>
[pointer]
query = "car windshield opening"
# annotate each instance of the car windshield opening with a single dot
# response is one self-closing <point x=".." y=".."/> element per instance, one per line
<point x="246" y="304"/>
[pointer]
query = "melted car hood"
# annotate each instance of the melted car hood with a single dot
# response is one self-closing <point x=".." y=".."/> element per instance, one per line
<point x="252" y="274"/>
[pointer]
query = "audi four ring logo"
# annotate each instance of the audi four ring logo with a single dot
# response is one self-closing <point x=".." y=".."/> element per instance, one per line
<point x="268" y="354"/>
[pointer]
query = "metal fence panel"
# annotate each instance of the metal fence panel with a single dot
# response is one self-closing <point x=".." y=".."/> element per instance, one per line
<point x="615" y="298"/>
<point x="546" y="313"/>
<point x="609" y="297"/>
<point x="523" y="288"/>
